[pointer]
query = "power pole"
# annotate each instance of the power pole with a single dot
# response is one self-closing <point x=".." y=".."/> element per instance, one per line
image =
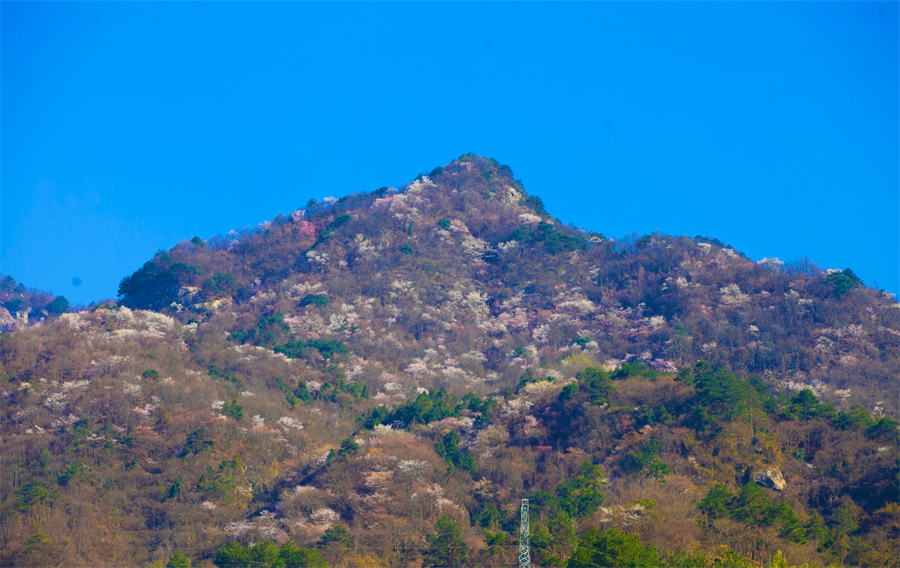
<point x="524" y="538"/>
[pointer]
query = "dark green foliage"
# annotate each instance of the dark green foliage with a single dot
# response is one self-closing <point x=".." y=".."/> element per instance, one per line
<point x="885" y="429"/>
<point x="805" y="406"/>
<point x="568" y="392"/>
<point x="843" y="282"/>
<point x="685" y="375"/>
<point x="9" y="284"/>
<point x="59" y="305"/>
<point x="495" y="540"/>
<point x="268" y="330"/>
<point x="595" y="383"/>
<point x="233" y="409"/>
<point x="752" y="506"/>
<point x="197" y="241"/>
<point x="40" y="551"/>
<point x="35" y="493"/>
<point x="220" y="284"/>
<point x="535" y="203"/>
<point x="220" y="478"/>
<point x="179" y="560"/>
<point x="150" y="374"/>
<point x="446" y="546"/>
<point x="487" y="515"/>
<point x="449" y="450"/>
<point x="216" y="372"/>
<point x="293" y="349"/>
<point x="717" y="501"/>
<point x="647" y="461"/>
<point x="15" y="305"/>
<point x="317" y="300"/>
<point x="557" y="534"/>
<point x="303" y="393"/>
<point x="582" y="495"/>
<point x="338" y="221"/>
<point x="406" y="249"/>
<point x="436" y="172"/>
<point x="267" y="554"/>
<point x="197" y="442"/>
<point x="157" y="281"/>
<point x="426" y="408"/>
<point x="81" y="430"/>
<point x="554" y="240"/>
<point x="634" y="369"/>
<point x="612" y="548"/>
<point x="330" y="391"/>
<point x="444" y="223"/>
<point x="348" y="447"/>
<point x="336" y="535"/>
<point x="327" y="347"/>
<point x="722" y="396"/>
<point x="268" y="327"/>
<point x="75" y="470"/>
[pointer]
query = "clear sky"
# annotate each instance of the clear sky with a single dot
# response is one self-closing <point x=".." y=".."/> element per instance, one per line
<point x="127" y="127"/>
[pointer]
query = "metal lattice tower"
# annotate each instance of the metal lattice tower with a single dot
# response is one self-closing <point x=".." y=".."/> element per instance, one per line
<point x="524" y="538"/>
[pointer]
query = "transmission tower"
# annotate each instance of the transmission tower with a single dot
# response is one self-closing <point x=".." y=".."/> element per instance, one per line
<point x="524" y="538"/>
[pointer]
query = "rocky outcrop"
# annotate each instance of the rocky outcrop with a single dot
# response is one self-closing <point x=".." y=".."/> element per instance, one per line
<point x="771" y="478"/>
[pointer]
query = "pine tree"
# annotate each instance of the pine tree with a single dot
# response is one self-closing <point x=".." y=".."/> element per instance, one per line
<point x="446" y="546"/>
<point x="178" y="560"/>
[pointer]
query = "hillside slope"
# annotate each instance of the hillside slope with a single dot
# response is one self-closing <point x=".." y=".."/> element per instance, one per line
<point x="372" y="370"/>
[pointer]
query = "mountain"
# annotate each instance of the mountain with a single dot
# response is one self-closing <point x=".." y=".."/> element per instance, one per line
<point x="379" y="379"/>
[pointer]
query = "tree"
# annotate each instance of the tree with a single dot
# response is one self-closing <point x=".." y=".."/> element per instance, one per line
<point x="40" y="551"/>
<point x="59" y="305"/>
<point x="197" y="442"/>
<point x="232" y="555"/>
<point x="843" y="281"/>
<point x="336" y="535"/>
<point x="178" y="560"/>
<point x="612" y="549"/>
<point x="446" y="546"/>
<point x="300" y="557"/>
<point x="581" y="495"/>
<point x="596" y="383"/>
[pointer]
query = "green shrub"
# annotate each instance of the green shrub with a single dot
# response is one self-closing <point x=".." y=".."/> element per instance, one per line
<point x="233" y="409"/>
<point x="317" y="300"/>
<point x="197" y="442"/>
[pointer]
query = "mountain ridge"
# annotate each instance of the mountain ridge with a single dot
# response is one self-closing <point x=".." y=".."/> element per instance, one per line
<point x="377" y="379"/>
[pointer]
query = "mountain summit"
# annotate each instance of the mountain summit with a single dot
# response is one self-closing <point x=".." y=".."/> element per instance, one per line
<point x="377" y="380"/>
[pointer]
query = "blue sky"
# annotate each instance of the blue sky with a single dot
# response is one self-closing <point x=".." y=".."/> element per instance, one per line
<point x="127" y="127"/>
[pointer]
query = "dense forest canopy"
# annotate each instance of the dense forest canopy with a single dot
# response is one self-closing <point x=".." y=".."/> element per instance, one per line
<point x="378" y="380"/>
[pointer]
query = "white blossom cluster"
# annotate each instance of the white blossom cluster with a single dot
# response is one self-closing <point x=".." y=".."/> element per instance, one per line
<point x="732" y="296"/>
<point x="313" y="256"/>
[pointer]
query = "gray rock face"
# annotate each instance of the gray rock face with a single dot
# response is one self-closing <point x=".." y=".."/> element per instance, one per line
<point x="771" y="478"/>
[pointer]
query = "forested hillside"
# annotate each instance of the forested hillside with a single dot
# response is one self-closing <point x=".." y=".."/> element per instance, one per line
<point x="377" y="380"/>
